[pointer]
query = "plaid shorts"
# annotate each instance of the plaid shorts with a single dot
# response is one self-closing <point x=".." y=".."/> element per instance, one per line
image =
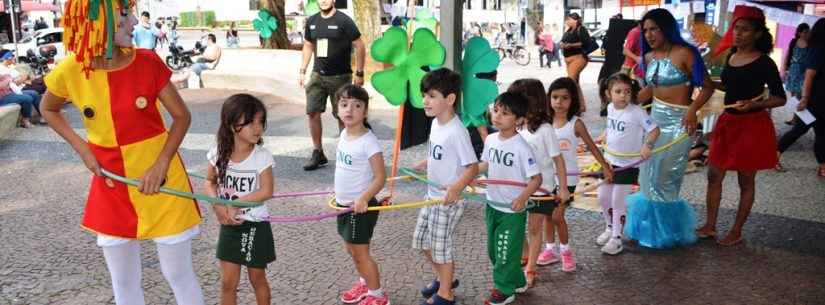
<point x="435" y="229"/>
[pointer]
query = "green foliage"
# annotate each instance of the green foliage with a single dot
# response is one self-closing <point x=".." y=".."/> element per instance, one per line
<point x="198" y="19"/>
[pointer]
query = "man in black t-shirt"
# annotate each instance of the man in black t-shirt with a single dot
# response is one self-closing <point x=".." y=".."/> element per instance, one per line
<point x="330" y="37"/>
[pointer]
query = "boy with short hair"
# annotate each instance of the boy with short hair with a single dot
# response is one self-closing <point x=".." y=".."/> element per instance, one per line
<point x="507" y="156"/>
<point x="451" y="163"/>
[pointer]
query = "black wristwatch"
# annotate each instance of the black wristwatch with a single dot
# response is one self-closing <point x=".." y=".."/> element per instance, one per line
<point x="359" y="73"/>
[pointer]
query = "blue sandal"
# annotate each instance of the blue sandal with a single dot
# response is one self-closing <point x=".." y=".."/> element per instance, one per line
<point x="438" y="300"/>
<point x="432" y="288"/>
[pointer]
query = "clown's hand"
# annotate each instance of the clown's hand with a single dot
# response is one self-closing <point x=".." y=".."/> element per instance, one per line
<point x="154" y="178"/>
<point x="91" y="162"/>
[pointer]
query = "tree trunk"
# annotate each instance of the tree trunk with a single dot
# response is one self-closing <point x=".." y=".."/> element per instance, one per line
<point x="278" y="40"/>
<point x="368" y="19"/>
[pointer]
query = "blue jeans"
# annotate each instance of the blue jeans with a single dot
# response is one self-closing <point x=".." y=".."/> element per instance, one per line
<point x="199" y="67"/>
<point x="28" y="100"/>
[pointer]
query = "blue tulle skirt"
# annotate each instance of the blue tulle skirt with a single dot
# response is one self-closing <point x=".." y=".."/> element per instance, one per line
<point x="659" y="225"/>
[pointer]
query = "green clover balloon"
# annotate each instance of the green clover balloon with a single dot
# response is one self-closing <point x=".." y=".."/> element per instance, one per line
<point x="477" y="93"/>
<point x="265" y="24"/>
<point x="311" y="7"/>
<point x="404" y="78"/>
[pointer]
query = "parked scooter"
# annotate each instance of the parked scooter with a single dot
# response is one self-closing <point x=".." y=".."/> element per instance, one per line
<point x="42" y="60"/>
<point x="179" y="58"/>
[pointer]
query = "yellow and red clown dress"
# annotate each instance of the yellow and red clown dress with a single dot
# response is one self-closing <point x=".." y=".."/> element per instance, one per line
<point x="126" y="133"/>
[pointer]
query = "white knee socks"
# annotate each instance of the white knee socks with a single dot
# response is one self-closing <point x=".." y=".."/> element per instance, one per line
<point x="620" y="193"/>
<point x="613" y="199"/>
<point x="605" y="198"/>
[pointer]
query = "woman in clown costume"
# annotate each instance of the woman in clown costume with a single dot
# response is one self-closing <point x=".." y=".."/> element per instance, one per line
<point x="119" y="91"/>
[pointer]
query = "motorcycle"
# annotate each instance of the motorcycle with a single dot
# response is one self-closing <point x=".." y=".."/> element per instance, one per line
<point x="179" y="58"/>
<point x="42" y="60"/>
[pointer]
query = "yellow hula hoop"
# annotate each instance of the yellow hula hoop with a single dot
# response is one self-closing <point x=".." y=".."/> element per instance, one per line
<point x="410" y="205"/>
<point x="655" y="151"/>
<point x="553" y="197"/>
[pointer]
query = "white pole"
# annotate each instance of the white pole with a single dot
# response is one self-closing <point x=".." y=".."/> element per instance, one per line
<point x="13" y="27"/>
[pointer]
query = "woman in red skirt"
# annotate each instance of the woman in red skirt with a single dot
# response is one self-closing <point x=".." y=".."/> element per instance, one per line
<point x="744" y="139"/>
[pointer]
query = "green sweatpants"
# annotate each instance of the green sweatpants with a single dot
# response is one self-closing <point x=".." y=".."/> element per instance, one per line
<point x="505" y="238"/>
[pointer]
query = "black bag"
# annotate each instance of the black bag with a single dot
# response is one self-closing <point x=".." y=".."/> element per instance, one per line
<point x="589" y="43"/>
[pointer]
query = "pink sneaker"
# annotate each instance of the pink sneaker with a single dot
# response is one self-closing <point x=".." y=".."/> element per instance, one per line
<point x="567" y="262"/>
<point x="355" y="294"/>
<point x="547" y="257"/>
<point x="374" y="300"/>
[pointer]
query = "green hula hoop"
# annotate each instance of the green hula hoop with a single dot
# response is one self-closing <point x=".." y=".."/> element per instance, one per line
<point x="196" y="196"/>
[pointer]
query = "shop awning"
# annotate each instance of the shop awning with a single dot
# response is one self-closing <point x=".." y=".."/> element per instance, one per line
<point x="30" y="6"/>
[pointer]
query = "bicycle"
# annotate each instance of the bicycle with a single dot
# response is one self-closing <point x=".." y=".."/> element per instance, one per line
<point x="516" y="52"/>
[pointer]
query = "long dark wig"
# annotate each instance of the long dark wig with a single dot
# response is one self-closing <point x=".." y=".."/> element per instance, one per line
<point x="533" y="90"/>
<point x="667" y="23"/>
<point x="237" y="111"/>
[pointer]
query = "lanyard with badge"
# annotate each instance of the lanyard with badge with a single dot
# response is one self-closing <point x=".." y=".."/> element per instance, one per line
<point x="322" y="45"/>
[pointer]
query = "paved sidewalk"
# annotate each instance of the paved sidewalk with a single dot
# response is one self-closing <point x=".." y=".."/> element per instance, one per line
<point x="48" y="259"/>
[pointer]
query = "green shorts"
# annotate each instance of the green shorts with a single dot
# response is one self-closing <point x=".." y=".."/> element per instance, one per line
<point x="320" y="88"/>
<point x="358" y="228"/>
<point x="248" y="244"/>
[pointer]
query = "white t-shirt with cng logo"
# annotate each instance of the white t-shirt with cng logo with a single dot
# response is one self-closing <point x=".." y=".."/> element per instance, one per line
<point x="450" y="151"/>
<point x="545" y="147"/>
<point x="625" y="132"/>
<point x="353" y="173"/>
<point x="511" y="159"/>
<point x="243" y="178"/>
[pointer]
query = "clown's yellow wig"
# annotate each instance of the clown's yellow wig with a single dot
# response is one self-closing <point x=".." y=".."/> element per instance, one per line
<point x="89" y="27"/>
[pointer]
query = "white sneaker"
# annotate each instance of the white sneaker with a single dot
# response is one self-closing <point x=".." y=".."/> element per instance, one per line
<point x="613" y="247"/>
<point x="604" y="237"/>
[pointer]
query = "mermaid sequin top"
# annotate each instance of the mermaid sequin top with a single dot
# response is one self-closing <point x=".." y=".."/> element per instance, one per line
<point x="662" y="73"/>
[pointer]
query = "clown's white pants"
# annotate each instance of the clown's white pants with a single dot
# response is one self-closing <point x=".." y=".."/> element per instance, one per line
<point x="123" y="261"/>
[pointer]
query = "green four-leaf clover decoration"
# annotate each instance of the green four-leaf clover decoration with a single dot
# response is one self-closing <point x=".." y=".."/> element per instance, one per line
<point x="265" y="24"/>
<point x="478" y="93"/>
<point x="404" y="78"/>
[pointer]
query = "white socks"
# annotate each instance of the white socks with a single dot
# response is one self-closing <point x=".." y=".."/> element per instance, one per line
<point x="376" y="293"/>
<point x="613" y="199"/>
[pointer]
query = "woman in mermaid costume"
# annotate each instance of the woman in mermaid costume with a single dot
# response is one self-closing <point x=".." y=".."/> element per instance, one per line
<point x="657" y="217"/>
